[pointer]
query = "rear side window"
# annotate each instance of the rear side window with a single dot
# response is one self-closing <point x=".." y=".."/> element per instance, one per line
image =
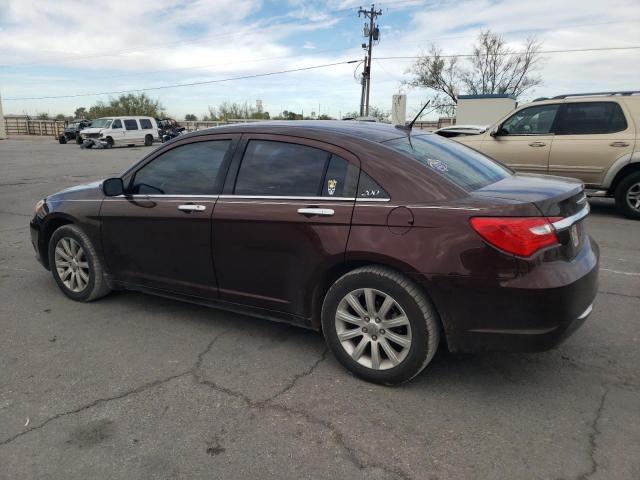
<point x="585" y="118"/>
<point x="461" y="165"/>
<point x="192" y="169"/>
<point x="116" y="124"/>
<point x="369" y="188"/>
<point x="131" y="125"/>
<point x="341" y="178"/>
<point x="145" y="124"/>
<point x="281" y="169"/>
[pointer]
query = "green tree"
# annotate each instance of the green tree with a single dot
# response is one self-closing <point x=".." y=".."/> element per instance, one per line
<point x="190" y="117"/>
<point x="80" y="112"/>
<point x="60" y="116"/>
<point x="130" y="104"/>
<point x="324" y="116"/>
<point x="43" y="116"/>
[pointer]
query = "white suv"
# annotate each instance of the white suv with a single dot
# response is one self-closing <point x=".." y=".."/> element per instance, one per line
<point x="122" y="131"/>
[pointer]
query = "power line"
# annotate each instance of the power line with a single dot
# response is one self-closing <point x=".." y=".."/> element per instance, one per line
<point x="543" y="52"/>
<point x="196" y="67"/>
<point x="176" y="85"/>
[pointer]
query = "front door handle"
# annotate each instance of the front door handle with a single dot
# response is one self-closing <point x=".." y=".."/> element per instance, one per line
<point x="537" y="144"/>
<point x="618" y="144"/>
<point x="320" y="212"/>
<point x="190" y="207"/>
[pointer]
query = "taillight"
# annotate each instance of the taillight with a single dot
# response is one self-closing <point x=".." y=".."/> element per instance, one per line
<point x="521" y="236"/>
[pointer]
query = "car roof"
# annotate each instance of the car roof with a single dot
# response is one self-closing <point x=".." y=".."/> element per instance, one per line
<point x="374" y="132"/>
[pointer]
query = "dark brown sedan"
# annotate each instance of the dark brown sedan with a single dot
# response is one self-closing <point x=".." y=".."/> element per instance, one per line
<point x="391" y="243"/>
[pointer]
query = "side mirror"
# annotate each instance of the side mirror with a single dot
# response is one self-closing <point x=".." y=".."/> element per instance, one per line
<point x="112" y="187"/>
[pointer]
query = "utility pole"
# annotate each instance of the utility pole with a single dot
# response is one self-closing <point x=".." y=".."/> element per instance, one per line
<point x="370" y="30"/>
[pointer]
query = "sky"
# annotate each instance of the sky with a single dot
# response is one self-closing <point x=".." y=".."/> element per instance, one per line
<point x="72" y="47"/>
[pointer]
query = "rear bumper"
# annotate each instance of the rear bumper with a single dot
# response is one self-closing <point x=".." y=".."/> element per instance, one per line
<point x="535" y="311"/>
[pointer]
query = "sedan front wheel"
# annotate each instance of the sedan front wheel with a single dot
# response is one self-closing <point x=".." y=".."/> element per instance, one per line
<point x="75" y="265"/>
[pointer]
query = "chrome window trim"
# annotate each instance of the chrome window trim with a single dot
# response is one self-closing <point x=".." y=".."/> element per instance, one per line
<point x="575" y="218"/>
<point x="142" y="195"/>
<point x="313" y="199"/>
<point x="255" y="197"/>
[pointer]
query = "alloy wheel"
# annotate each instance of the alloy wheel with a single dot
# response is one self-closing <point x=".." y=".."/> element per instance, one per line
<point x="373" y="328"/>
<point x="72" y="264"/>
<point x="633" y="197"/>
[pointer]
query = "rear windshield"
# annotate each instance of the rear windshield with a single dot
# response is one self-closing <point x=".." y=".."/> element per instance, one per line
<point x="463" y="166"/>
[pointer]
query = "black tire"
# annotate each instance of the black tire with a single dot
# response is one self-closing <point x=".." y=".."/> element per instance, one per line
<point x="109" y="142"/>
<point x="631" y="181"/>
<point x="148" y="141"/>
<point x="62" y="139"/>
<point x="422" y="316"/>
<point x="78" y="139"/>
<point x="96" y="286"/>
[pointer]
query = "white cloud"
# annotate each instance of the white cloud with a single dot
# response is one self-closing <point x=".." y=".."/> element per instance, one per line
<point x="157" y="42"/>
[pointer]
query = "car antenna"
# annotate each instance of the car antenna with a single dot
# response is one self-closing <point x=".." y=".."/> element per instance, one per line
<point x="410" y="125"/>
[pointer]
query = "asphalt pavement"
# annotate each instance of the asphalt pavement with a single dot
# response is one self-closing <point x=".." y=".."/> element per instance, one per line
<point x="140" y="387"/>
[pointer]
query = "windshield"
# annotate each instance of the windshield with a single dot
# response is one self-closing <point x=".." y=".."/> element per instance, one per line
<point x="101" y="123"/>
<point x="463" y="166"/>
<point x="73" y="125"/>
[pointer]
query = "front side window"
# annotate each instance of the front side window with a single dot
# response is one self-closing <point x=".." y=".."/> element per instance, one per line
<point x="117" y="123"/>
<point x="131" y="125"/>
<point x="192" y="169"/>
<point x="585" y="118"/>
<point x="461" y="165"/>
<point x="145" y="124"/>
<point x="271" y="168"/>
<point x="531" y="121"/>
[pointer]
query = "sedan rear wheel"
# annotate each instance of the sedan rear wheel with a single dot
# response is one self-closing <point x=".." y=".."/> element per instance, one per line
<point x="373" y="328"/>
<point x="380" y="325"/>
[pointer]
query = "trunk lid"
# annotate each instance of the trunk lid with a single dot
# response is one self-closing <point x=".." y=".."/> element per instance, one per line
<point x="553" y="196"/>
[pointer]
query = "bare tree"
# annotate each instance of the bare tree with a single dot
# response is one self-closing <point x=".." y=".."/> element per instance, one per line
<point x="496" y="68"/>
<point x="493" y="68"/>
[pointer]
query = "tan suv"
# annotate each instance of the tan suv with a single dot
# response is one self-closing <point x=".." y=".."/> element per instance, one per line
<point x="592" y="137"/>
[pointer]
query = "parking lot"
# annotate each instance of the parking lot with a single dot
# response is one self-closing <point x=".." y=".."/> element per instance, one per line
<point x="135" y="386"/>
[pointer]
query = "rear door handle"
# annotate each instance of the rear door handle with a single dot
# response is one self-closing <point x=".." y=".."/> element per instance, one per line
<point x="619" y="144"/>
<point x="537" y="144"/>
<point x="190" y="207"/>
<point x="320" y="212"/>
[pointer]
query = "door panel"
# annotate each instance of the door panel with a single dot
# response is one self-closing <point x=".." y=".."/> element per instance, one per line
<point x="158" y="235"/>
<point x="268" y="255"/>
<point x="523" y="141"/>
<point x="148" y="241"/>
<point x="523" y="153"/>
<point x="271" y="249"/>
<point x="588" y="155"/>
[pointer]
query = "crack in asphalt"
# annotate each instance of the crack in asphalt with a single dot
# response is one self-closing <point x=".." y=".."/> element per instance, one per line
<point x="595" y="431"/>
<point x="352" y="453"/>
<point x="127" y="393"/>
<point x="618" y="294"/>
